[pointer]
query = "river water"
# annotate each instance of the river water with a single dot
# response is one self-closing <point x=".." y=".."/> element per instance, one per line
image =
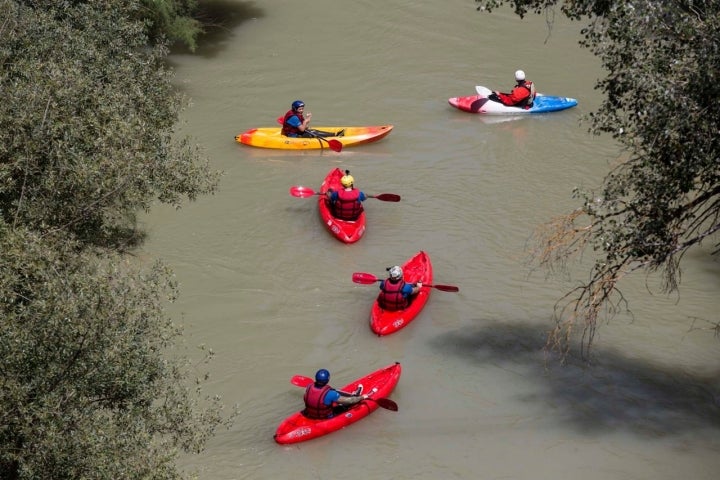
<point x="270" y="291"/>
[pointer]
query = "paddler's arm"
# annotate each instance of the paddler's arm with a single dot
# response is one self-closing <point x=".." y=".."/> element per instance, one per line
<point x="306" y="123"/>
<point x="355" y="394"/>
<point x="410" y="289"/>
<point x="350" y="400"/>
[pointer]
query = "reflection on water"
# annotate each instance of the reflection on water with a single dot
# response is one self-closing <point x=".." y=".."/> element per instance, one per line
<point x="490" y="119"/>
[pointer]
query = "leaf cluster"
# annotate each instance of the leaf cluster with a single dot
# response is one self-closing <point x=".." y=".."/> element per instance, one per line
<point x="663" y="196"/>
<point x="92" y="382"/>
<point x="87" y="121"/>
<point x="172" y="19"/>
<point x="86" y="388"/>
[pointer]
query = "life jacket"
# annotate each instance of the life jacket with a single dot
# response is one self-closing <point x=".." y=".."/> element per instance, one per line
<point x="391" y="296"/>
<point x="347" y="206"/>
<point x="528" y="102"/>
<point x="287" y="129"/>
<point x="314" y="402"/>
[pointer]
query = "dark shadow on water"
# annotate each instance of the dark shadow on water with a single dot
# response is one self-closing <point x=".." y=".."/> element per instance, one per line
<point x="614" y="392"/>
<point x="220" y="17"/>
<point x="704" y="261"/>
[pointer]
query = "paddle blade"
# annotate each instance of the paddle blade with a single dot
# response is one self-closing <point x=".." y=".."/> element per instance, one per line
<point x="386" y="403"/>
<point x="364" y="278"/>
<point x="280" y="120"/>
<point x="444" y="288"/>
<point x="302" y="192"/>
<point x="386" y="197"/>
<point x="335" y="145"/>
<point x="301" y="381"/>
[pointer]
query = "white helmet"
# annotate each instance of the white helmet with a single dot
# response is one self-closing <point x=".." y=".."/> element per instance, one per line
<point x="519" y="75"/>
<point x="396" y="273"/>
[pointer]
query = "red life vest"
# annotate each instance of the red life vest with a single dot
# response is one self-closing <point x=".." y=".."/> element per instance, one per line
<point x="287" y="129"/>
<point x="314" y="402"/>
<point x="391" y="297"/>
<point x="522" y="96"/>
<point x="528" y="102"/>
<point x="347" y="206"/>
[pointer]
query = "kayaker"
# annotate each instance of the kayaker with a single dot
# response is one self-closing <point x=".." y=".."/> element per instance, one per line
<point x="522" y="95"/>
<point x="346" y="204"/>
<point x="395" y="293"/>
<point x="296" y="123"/>
<point x="323" y="401"/>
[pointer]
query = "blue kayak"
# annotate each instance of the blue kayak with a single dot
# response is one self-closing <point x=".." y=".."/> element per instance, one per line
<point x="480" y="103"/>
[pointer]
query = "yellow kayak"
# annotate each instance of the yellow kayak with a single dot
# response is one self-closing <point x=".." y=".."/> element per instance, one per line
<point x="270" y="137"/>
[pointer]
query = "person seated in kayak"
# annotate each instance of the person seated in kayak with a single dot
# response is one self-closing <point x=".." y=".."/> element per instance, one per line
<point x="346" y="204"/>
<point x="296" y="123"/>
<point x="323" y="401"/>
<point x="522" y="95"/>
<point x="395" y="293"/>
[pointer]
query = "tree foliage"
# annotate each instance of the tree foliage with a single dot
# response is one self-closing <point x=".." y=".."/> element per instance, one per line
<point x="87" y="389"/>
<point x="173" y="19"/>
<point x="92" y="384"/>
<point x="663" y="196"/>
<point x="87" y="121"/>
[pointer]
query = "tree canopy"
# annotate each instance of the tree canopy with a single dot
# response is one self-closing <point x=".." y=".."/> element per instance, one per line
<point x="173" y="19"/>
<point x="663" y="197"/>
<point x="87" y="132"/>
<point x="88" y="384"/>
<point x="92" y="382"/>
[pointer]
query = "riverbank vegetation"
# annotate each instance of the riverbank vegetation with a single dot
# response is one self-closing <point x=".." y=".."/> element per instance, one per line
<point x="662" y="198"/>
<point x="172" y="19"/>
<point x="93" y="382"/>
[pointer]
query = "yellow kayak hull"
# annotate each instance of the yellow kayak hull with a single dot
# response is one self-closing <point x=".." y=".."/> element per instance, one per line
<point x="270" y="137"/>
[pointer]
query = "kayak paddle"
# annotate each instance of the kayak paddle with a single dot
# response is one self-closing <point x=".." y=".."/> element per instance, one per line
<point x="480" y="90"/>
<point x="303" y="192"/>
<point x="335" y="145"/>
<point x="302" y="381"/>
<point x="386" y="403"/>
<point x="368" y="278"/>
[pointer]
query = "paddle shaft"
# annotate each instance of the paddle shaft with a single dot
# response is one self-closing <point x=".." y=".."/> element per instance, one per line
<point x="368" y="278"/>
<point x="334" y="145"/>
<point x="304" y="192"/>
<point x="386" y="403"/>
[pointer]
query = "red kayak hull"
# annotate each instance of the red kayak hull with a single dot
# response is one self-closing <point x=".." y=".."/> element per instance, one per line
<point x="298" y="428"/>
<point x="343" y="230"/>
<point x="416" y="269"/>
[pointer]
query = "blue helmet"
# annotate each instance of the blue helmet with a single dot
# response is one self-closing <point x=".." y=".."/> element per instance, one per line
<point x="322" y="376"/>
<point x="297" y="104"/>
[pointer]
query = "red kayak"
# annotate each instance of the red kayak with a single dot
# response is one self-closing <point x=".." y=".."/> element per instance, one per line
<point x="378" y="384"/>
<point x="416" y="269"/>
<point x="344" y="230"/>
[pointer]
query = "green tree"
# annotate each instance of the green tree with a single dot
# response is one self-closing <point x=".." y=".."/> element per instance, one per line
<point x="663" y="197"/>
<point x="87" y="120"/>
<point x="91" y="382"/>
<point x="174" y="20"/>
